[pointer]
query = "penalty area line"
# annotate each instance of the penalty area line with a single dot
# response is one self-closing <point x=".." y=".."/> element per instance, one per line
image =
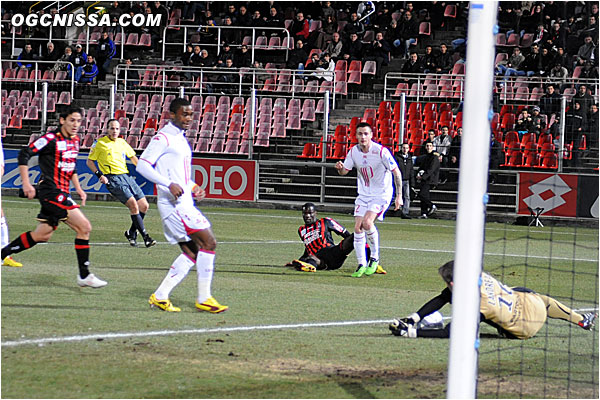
<point x="116" y="335"/>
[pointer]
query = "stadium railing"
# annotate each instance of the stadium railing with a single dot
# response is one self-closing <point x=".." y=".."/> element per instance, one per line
<point x="35" y="76"/>
<point x="192" y="35"/>
<point x="202" y="80"/>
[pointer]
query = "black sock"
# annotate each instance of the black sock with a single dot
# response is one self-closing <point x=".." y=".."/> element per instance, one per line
<point x="82" y="249"/>
<point x="23" y="242"/>
<point x="137" y="224"/>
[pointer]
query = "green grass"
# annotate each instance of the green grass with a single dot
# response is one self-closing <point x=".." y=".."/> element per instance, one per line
<point x="42" y="300"/>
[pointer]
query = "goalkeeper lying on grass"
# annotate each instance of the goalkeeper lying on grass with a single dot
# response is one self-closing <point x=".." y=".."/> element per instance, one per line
<point x="320" y="251"/>
<point x="517" y="313"/>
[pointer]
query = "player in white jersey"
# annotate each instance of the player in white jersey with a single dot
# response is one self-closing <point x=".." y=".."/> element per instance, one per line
<point x="375" y="166"/>
<point x="167" y="161"/>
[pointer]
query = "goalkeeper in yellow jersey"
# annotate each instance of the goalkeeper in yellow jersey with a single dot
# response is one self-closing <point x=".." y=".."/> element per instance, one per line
<point x="517" y="313"/>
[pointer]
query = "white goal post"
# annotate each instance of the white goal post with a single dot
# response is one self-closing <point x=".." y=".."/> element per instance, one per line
<point x="472" y="199"/>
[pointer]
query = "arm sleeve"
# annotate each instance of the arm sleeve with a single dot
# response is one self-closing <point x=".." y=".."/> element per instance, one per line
<point x="348" y="162"/>
<point x="148" y="159"/>
<point x="336" y="227"/>
<point x="129" y="152"/>
<point x="34" y="148"/>
<point x="436" y="303"/>
<point x="388" y="159"/>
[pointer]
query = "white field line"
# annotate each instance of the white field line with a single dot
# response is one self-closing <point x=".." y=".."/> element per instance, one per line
<point x="543" y="257"/>
<point x="342" y="217"/>
<point x="171" y="332"/>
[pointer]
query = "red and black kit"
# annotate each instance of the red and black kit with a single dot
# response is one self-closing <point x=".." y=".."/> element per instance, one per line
<point x="57" y="160"/>
<point x="318" y="242"/>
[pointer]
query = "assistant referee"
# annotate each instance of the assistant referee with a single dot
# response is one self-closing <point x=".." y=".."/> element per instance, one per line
<point x="111" y="152"/>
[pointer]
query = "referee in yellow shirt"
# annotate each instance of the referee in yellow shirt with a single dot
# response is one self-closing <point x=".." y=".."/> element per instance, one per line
<point x="111" y="153"/>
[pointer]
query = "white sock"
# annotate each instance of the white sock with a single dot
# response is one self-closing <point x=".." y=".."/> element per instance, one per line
<point x="359" y="248"/>
<point x="4" y="240"/>
<point x="373" y="240"/>
<point x="205" y="266"/>
<point x="180" y="268"/>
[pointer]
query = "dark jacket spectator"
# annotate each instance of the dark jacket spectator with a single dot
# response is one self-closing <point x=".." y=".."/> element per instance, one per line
<point x="225" y="53"/>
<point x="195" y="59"/>
<point x="588" y="71"/>
<point x="593" y="127"/>
<point x="443" y="62"/>
<point x="133" y="76"/>
<point x="524" y="122"/>
<point x="586" y="51"/>
<point x="533" y="60"/>
<point x="407" y="168"/>
<point x="187" y="55"/>
<point x="353" y="49"/>
<point x="229" y="35"/>
<point x="454" y="153"/>
<point x="557" y="36"/>
<point x="583" y="97"/>
<point x="379" y="50"/>
<point x="51" y="55"/>
<point x="297" y="56"/>
<point x="409" y="27"/>
<point x="26" y="55"/>
<point x="78" y="58"/>
<point x="413" y="65"/>
<point x="274" y="20"/>
<point x="550" y="101"/>
<point x="576" y="123"/>
<point x="243" y="58"/>
<point x="429" y="60"/>
<point x="354" y="26"/>
<point x="508" y="19"/>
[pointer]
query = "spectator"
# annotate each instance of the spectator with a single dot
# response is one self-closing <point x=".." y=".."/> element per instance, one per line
<point x="66" y="57"/>
<point x="297" y="57"/>
<point x="257" y="21"/>
<point x="275" y="20"/>
<point x="557" y="36"/>
<point x="427" y="177"/>
<point x="540" y="35"/>
<point x="104" y="54"/>
<point x="546" y="62"/>
<point x="26" y="55"/>
<point x="78" y="59"/>
<point x="163" y="11"/>
<point x="326" y="68"/>
<point x="405" y="163"/>
<point x="588" y="71"/>
<point x="383" y="19"/>
<point x="206" y="60"/>
<point x="507" y="19"/>
<point x="353" y="49"/>
<point x="550" y="101"/>
<point x="229" y="77"/>
<point x="429" y="60"/>
<point x="575" y="126"/>
<point x="51" y="55"/>
<point x="315" y="62"/>
<point x="514" y="63"/>
<point x="335" y="47"/>
<point x="562" y="58"/>
<point x="89" y="72"/>
<point x="243" y="18"/>
<point x="231" y="13"/>
<point x="186" y="57"/>
<point x="559" y="74"/>
<point x="354" y="26"/>
<point x="393" y="35"/>
<point x="328" y="30"/>
<point x="409" y="31"/>
<point x="583" y="97"/>
<point x="129" y="75"/>
<point x="428" y="139"/>
<point x="593" y="127"/>
<point x="443" y="62"/>
<point x="538" y="120"/>
<point x="243" y="58"/>
<point x="524" y="123"/>
<point x="229" y="35"/>
<point x="412" y="66"/>
<point x="327" y="10"/>
<point x="532" y="64"/>
<point x="225" y="53"/>
<point x="441" y="145"/>
<point x="299" y="28"/>
<point x="195" y="60"/>
<point x="591" y="29"/>
<point x="586" y="51"/>
<point x="496" y="157"/>
<point x="379" y="51"/>
<point x="454" y="153"/>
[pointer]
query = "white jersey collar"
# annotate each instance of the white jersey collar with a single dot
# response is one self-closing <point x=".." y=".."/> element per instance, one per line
<point x="171" y="129"/>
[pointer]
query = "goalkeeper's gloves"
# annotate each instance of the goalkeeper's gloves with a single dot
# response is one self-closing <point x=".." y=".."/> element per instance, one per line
<point x="401" y="328"/>
<point x="412" y="319"/>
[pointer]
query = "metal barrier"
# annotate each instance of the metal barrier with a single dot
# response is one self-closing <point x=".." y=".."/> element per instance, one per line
<point x="169" y="78"/>
<point x="36" y="80"/>
<point x="242" y="29"/>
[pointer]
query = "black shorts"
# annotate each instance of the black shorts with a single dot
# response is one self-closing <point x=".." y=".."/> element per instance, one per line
<point x="331" y="257"/>
<point x="55" y="206"/>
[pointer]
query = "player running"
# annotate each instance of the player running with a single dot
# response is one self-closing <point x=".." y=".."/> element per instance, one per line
<point x="320" y="251"/>
<point x="375" y="166"/>
<point x="111" y="152"/>
<point x="57" y="153"/>
<point x="167" y="161"/>
<point x="517" y="313"/>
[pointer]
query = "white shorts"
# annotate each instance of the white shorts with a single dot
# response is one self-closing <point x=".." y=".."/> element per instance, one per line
<point x="377" y="205"/>
<point x="182" y="222"/>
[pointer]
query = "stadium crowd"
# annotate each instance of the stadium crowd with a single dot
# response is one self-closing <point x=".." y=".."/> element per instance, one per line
<point x="549" y="42"/>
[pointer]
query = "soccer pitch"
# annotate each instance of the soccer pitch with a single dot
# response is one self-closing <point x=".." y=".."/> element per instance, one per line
<point x="287" y="334"/>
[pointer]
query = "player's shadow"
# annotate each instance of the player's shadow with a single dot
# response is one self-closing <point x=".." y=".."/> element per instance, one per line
<point x="41" y="280"/>
<point x="356" y="390"/>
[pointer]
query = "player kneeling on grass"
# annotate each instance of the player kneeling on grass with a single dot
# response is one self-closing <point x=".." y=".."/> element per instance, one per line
<point x="320" y="251"/>
<point x="57" y="153"/>
<point x="167" y="161"/>
<point x="517" y="313"/>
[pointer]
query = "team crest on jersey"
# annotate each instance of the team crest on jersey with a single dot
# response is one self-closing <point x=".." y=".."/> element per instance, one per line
<point x="60" y="198"/>
<point x="61" y="146"/>
<point x="50" y="136"/>
<point x="40" y="143"/>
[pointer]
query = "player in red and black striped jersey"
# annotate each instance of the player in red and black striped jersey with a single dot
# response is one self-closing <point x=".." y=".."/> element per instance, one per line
<point x="320" y="251"/>
<point x="57" y="153"/>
